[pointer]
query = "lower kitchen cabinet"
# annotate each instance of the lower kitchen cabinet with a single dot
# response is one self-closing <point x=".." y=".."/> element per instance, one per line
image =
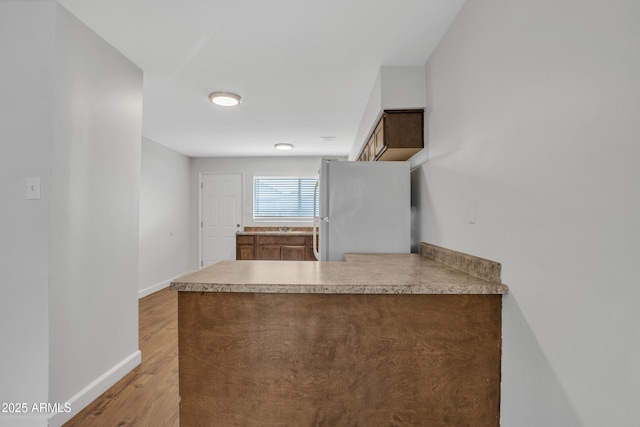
<point x="282" y="247"/>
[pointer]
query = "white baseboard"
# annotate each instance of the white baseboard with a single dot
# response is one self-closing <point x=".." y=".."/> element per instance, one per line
<point x="159" y="286"/>
<point x="155" y="288"/>
<point x="87" y="395"/>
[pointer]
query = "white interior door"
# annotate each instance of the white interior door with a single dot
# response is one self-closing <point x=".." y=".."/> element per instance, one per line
<point x="221" y="198"/>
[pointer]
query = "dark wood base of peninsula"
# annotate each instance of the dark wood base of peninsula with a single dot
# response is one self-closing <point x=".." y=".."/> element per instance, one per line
<point x="253" y="359"/>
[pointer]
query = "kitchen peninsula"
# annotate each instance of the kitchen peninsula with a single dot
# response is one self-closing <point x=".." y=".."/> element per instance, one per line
<point x="376" y="340"/>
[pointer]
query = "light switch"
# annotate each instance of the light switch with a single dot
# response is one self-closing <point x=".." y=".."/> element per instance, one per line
<point x="33" y="188"/>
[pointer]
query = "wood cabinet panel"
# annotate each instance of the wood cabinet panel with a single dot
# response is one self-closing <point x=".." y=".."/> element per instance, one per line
<point x="245" y="252"/>
<point x="371" y="148"/>
<point x="309" y="255"/>
<point x="269" y="252"/>
<point x="340" y="360"/>
<point x="378" y="139"/>
<point x="245" y="240"/>
<point x="281" y="240"/>
<point x="275" y="247"/>
<point x="293" y="253"/>
<point x="245" y="247"/>
<point x="398" y="135"/>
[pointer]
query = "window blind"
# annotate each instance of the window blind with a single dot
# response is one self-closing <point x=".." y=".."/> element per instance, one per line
<point x="283" y="197"/>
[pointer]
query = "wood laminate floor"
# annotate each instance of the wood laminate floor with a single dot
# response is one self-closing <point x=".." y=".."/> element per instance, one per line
<point x="148" y="395"/>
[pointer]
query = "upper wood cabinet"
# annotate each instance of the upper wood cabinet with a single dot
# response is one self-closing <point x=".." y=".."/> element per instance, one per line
<point x="398" y="135"/>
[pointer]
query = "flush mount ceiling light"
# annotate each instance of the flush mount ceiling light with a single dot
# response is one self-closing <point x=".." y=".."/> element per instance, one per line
<point x="283" y="146"/>
<point x="225" y="99"/>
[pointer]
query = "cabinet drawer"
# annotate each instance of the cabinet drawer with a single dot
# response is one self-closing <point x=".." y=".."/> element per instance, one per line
<point x="281" y="240"/>
<point x="245" y="240"/>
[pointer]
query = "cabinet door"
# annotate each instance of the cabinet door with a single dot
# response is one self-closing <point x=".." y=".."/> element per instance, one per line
<point x="365" y="153"/>
<point x="371" y="149"/>
<point x="269" y="252"/>
<point x="378" y="138"/>
<point x="293" y="253"/>
<point x="309" y="250"/>
<point x="244" y="247"/>
<point x="245" y="252"/>
<point x="311" y="256"/>
<point x="404" y="129"/>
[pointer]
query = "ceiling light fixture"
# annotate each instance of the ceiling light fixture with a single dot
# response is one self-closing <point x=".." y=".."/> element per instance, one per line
<point x="283" y="146"/>
<point x="225" y="99"/>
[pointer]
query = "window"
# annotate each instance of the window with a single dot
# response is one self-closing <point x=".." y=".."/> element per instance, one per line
<point x="283" y="197"/>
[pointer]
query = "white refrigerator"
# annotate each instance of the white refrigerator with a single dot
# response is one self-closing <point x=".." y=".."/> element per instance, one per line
<point x="363" y="207"/>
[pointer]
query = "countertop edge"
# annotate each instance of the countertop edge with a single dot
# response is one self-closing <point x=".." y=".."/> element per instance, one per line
<point x="263" y="288"/>
<point x="372" y="274"/>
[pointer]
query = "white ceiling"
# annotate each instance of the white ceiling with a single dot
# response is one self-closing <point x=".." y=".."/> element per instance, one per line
<point x="305" y="69"/>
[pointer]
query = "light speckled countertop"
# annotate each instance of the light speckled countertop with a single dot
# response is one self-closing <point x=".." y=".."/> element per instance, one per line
<point x="359" y="274"/>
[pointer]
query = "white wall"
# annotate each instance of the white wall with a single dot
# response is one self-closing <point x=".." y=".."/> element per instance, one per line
<point x="71" y="109"/>
<point x="27" y="34"/>
<point x="167" y="248"/>
<point x="94" y="213"/>
<point x="533" y="110"/>
<point x="250" y="167"/>
<point x="395" y="88"/>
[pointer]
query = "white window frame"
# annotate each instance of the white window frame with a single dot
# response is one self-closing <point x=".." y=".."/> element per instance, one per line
<point x="265" y="218"/>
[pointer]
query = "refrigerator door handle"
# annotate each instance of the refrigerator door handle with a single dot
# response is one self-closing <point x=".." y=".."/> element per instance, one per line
<point x="316" y="228"/>
<point x="316" y="223"/>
